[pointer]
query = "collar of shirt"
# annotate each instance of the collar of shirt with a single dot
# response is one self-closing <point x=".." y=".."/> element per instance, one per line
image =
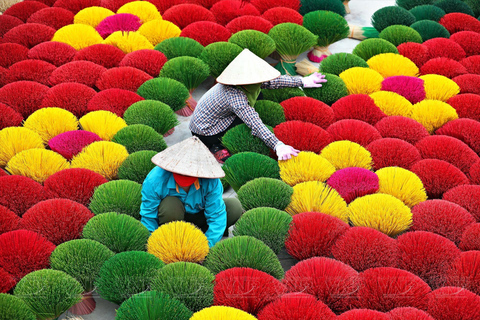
<point x="171" y="184"/>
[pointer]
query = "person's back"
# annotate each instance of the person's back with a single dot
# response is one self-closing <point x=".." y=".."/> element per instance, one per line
<point x="216" y="104"/>
<point x="231" y="102"/>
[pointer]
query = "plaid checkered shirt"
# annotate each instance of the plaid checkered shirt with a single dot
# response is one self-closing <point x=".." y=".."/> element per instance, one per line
<point x="217" y="109"/>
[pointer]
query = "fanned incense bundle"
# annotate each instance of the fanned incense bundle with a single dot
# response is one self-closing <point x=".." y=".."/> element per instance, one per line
<point x="178" y="241"/>
<point x="267" y="224"/>
<point x="433" y="114"/>
<point x="430" y="29"/>
<point x="257" y="42"/>
<point x="74" y="184"/>
<point x="187" y="13"/>
<point x="17" y="139"/>
<point x="92" y="16"/>
<point x="157" y="31"/>
<point x="339" y="62"/>
<point x="391" y="64"/>
<point x="243" y="252"/>
<point x="329" y="27"/>
<point x="245" y="166"/>
<point x="315" y="196"/>
<point x="103" y="157"/>
<point x="145" y="10"/>
<point x="103" y="123"/>
<point x="189" y="71"/>
<point x="30" y="70"/>
<point x="189" y="282"/>
<point x="246" y="289"/>
<point x="454" y="6"/>
<point x="307" y="166"/>
<point x="279" y="15"/>
<point x="391" y="15"/>
<point x="105" y="55"/>
<point x="443" y="218"/>
<point x="352" y="183"/>
<point x="344" y="154"/>
<point x="398" y="34"/>
<point x="78" y="36"/>
<point x="265" y="192"/>
<point x="313" y="234"/>
<point x="362" y="80"/>
<point x="22" y="10"/>
<point x="291" y="40"/>
<point x="9" y="117"/>
<point x="154" y="114"/>
<point x="179" y="47"/>
<point x="227" y="10"/>
<point x="402" y="184"/>
<point x="329" y="280"/>
<point x="30" y="34"/>
<point x="218" y="56"/>
<point x="63" y="292"/>
<point x="153" y="305"/>
<point x="81" y="259"/>
<point x="139" y="137"/>
<point x="137" y="166"/>
<point x="427" y="12"/>
<point x="392" y="104"/>
<point x="19" y="194"/>
<point x="37" y="164"/>
<point x="382" y="212"/>
<point x="114" y="282"/>
<point x="58" y="220"/>
<point x="128" y="41"/>
<point x="12" y="307"/>
<point x="56" y="53"/>
<point x="206" y="32"/>
<point x="166" y="90"/>
<point x="119" y="196"/>
<point x="294" y="305"/>
<point x="117" y="232"/>
<point x="438" y="87"/>
<point x="120" y="22"/>
<point x="371" y="47"/>
<point x="54" y="17"/>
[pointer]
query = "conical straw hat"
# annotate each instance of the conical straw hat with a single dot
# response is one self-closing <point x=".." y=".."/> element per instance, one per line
<point x="247" y="68"/>
<point x="190" y="158"/>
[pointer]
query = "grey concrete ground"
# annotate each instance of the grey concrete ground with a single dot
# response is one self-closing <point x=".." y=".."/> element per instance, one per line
<point x="361" y="11"/>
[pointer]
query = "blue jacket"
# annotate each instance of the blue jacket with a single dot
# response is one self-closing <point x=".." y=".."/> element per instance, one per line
<point x="160" y="184"/>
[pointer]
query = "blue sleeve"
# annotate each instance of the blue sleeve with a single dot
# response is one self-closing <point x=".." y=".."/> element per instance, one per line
<point x="150" y="202"/>
<point x="215" y="212"/>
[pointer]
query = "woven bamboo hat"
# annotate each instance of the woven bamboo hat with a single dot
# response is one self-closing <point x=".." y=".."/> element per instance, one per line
<point x="190" y="158"/>
<point x="247" y="68"/>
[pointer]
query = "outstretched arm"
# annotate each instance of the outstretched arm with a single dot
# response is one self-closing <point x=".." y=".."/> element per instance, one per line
<point x="250" y="117"/>
<point x="283" y="82"/>
<point x="239" y="105"/>
<point x="314" y="80"/>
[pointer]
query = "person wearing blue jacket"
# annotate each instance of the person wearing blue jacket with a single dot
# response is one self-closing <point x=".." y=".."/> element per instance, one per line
<point x="185" y="185"/>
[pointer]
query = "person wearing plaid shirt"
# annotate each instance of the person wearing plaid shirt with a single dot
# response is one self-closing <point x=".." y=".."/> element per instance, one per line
<point x="230" y="103"/>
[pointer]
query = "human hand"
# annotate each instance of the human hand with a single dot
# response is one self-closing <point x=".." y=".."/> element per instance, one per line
<point x="285" y="152"/>
<point x="314" y="80"/>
